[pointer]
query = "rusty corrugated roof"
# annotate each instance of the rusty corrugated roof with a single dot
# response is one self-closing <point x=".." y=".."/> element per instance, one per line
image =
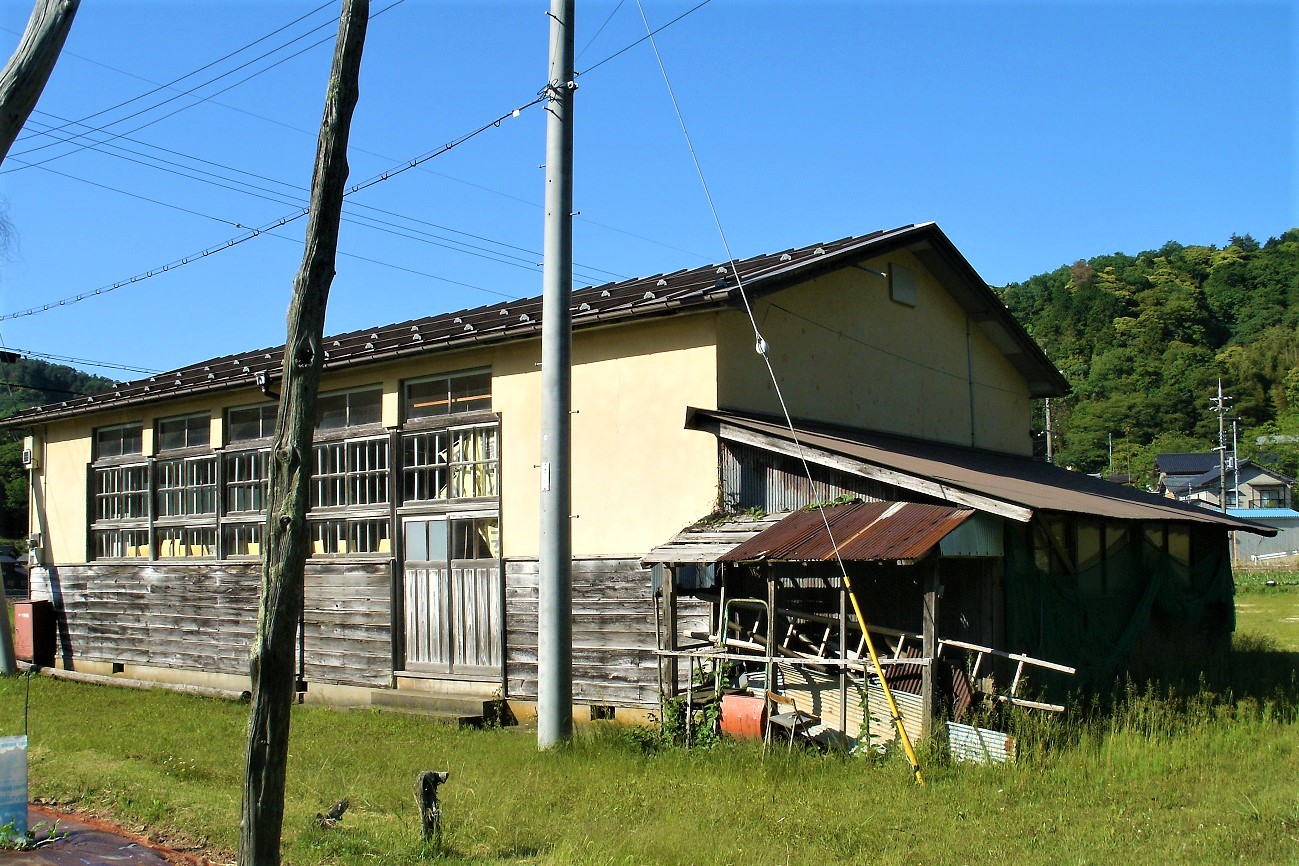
<point x="864" y="532"/>
<point x="699" y="288"/>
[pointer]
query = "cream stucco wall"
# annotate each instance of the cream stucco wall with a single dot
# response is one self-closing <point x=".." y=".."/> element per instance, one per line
<point x="845" y="353"/>
<point x="639" y="476"/>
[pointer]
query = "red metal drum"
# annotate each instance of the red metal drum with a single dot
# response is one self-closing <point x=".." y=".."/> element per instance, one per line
<point x="743" y="717"/>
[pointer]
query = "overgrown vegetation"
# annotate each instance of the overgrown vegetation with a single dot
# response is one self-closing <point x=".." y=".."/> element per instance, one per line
<point x="1143" y="340"/>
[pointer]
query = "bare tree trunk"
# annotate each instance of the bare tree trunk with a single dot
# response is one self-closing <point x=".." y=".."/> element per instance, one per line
<point x="272" y="663"/>
<point x="21" y="83"/>
<point x="27" y="71"/>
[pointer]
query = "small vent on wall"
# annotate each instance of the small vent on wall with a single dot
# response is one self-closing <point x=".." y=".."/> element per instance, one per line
<point x="903" y="286"/>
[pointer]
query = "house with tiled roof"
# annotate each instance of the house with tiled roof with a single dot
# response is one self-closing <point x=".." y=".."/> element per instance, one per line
<point x="906" y="379"/>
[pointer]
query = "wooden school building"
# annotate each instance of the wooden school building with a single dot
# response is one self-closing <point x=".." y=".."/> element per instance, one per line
<point x="909" y="382"/>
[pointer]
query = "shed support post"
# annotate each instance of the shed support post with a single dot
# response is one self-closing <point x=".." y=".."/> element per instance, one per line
<point x="671" y="671"/>
<point x="929" y="635"/>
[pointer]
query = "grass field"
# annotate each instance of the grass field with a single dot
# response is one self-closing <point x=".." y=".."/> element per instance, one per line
<point x="1199" y="780"/>
<point x="1269" y="610"/>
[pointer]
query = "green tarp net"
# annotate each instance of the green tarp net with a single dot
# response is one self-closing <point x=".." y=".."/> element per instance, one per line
<point x="1093" y="618"/>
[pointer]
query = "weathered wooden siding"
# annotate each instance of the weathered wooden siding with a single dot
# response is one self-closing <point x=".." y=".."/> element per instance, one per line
<point x="753" y="478"/>
<point x="202" y="617"/>
<point x="347" y="614"/>
<point x="613" y="631"/>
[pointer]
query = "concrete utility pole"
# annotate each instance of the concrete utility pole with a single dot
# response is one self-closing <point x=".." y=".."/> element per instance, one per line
<point x="1219" y="405"/>
<point x="21" y="84"/>
<point x="555" y="585"/>
<point x="1050" y="444"/>
<point x="284" y="564"/>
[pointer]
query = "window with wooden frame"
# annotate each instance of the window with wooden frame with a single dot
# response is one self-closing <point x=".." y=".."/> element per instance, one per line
<point x="181" y="542"/>
<point x="356" y="408"/>
<point x="350" y="473"/>
<point x="455" y="463"/>
<point x="243" y="538"/>
<point x="351" y="535"/>
<point x="184" y="488"/>
<point x="187" y="431"/>
<point x="119" y="440"/>
<point x="350" y="493"/>
<point x="250" y="423"/>
<point x="449" y="394"/>
<point x="119" y="494"/>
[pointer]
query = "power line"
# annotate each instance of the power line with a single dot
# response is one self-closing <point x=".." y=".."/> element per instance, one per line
<point x="170" y="84"/>
<point x="600" y="30"/>
<point x="46" y="388"/>
<point x="201" y="100"/>
<point x="373" y="223"/>
<point x="386" y="157"/>
<point x="442" y="279"/>
<point x="274" y="224"/>
<point x="108" y="365"/>
<point x="649" y="35"/>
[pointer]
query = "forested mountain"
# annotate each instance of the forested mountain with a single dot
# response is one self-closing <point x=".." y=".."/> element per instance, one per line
<point x="1144" y="339"/>
<point x="29" y="382"/>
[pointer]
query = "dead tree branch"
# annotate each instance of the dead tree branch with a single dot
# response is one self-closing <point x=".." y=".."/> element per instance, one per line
<point x="272" y="662"/>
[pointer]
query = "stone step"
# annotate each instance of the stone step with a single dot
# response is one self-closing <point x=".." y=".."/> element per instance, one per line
<point x="466" y="710"/>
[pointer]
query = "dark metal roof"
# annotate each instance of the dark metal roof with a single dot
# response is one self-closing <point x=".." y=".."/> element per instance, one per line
<point x="712" y="286"/>
<point x="949" y="471"/>
<point x="1186" y="464"/>
<point x="863" y="531"/>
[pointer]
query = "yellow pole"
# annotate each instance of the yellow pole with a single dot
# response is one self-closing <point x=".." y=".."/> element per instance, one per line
<point x="888" y="693"/>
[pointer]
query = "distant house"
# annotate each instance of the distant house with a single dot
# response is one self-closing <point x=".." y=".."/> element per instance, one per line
<point x="1178" y="471"/>
<point x="910" y="384"/>
<point x="1248" y="486"/>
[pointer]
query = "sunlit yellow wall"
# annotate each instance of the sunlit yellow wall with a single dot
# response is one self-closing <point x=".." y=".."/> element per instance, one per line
<point x="639" y="476"/>
<point x="845" y="353"/>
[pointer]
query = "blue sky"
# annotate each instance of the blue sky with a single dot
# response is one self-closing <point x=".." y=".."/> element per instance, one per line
<point x="1033" y="133"/>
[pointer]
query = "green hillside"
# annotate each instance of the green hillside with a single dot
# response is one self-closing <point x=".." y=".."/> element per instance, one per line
<point x="1143" y="340"/>
<point x="30" y="382"/>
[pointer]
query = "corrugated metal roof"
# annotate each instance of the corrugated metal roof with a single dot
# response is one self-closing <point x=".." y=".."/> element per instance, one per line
<point x="1263" y="515"/>
<point x="864" y="532"/>
<point x="709" y="540"/>
<point x="705" y="287"/>
<point x="947" y="470"/>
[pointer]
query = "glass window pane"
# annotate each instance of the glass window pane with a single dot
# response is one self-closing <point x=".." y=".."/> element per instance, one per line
<point x="428" y="398"/>
<point x="132" y="439"/>
<point x="417" y="540"/>
<point x="471" y="393"/>
<point x="331" y="412"/>
<point x="437" y="541"/>
<point x="198" y="431"/>
<point x="477" y="538"/>
<point x="365" y="407"/>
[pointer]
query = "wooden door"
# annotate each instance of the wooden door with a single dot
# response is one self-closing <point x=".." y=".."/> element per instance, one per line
<point x="452" y="593"/>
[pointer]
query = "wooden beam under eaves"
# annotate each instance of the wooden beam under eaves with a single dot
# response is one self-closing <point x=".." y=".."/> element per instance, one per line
<point x="914" y="483"/>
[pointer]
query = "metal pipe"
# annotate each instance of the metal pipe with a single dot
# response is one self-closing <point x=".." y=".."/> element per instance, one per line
<point x="555" y="561"/>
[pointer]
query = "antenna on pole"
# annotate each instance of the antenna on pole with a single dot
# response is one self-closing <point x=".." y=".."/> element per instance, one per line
<point x="555" y="560"/>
